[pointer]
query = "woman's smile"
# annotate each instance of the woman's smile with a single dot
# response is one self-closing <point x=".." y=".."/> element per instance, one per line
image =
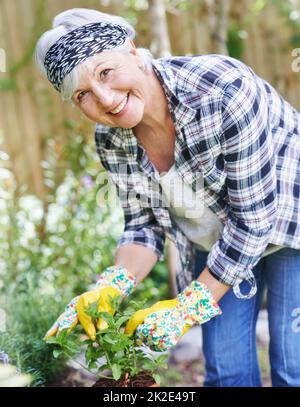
<point x="122" y="108"/>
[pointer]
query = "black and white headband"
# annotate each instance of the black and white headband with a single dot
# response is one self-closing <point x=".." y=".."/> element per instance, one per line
<point x="79" y="44"/>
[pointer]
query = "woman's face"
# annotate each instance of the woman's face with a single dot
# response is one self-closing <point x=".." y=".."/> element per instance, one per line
<point x="113" y="89"/>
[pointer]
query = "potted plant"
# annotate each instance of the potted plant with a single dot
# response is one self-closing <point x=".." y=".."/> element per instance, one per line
<point x="125" y="364"/>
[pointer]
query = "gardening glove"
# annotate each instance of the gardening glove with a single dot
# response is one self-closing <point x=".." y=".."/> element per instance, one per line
<point x="113" y="282"/>
<point x="160" y="326"/>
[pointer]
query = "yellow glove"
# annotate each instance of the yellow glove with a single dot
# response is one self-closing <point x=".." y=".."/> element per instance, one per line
<point x="103" y="296"/>
<point x="139" y="317"/>
<point x="114" y="281"/>
<point x="161" y="325"/>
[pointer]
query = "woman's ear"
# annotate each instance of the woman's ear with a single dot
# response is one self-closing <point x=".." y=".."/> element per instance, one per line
<point x="133" y="49"/>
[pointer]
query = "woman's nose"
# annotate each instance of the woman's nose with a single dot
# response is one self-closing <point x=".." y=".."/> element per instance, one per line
<point x="104" y="96"/>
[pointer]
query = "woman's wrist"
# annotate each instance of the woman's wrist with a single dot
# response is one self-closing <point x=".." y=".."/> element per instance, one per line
<point x="197" y="305"/>
<point x="118" y="277"/>
<point x="217" y="289"/>
<point x="137" y="259"/>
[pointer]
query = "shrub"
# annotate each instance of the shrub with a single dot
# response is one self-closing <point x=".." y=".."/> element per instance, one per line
<point x="47" y="256"/>
<point x="52" y="251"/>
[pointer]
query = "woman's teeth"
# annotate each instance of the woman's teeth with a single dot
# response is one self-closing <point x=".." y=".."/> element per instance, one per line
<point x="120" y="107"/>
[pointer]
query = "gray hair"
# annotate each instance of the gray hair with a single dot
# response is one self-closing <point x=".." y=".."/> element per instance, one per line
<point x="70" y="20"/>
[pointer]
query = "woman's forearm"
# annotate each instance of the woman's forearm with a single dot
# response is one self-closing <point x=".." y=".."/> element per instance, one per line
<point x="217" y="288"/>
<point x="137" y="259"/>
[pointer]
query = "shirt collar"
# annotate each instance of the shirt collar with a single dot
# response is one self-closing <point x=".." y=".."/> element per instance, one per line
<point x="182" y="114"/>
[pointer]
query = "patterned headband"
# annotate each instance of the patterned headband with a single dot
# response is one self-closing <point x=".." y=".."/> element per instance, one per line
<point x="79" y="44"/>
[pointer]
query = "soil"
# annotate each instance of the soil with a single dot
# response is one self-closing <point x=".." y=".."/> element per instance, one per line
<point x="141" y="380"/>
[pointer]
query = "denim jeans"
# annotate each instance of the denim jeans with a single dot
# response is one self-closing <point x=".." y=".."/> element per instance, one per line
<point x="229" y="340"/>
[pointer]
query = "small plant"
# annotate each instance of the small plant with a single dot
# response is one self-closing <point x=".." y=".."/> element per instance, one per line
<point x="122" y="358"/>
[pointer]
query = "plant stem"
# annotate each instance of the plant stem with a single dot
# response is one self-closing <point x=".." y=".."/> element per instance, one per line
<point x="89" y="370"/>
<point x="105" y="353"/>
<point x="126" y="379"/>
<point x="105" y="377"/>
<point x="84" y="367"/>
<point x="134" y="357"/>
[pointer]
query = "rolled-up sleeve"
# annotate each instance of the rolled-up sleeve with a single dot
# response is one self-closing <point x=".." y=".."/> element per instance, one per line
<point x="141" y="226"/>
<point x="247" y="148"/>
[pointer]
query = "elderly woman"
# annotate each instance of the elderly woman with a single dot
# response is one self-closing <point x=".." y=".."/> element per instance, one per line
<point x="221" y="151"/>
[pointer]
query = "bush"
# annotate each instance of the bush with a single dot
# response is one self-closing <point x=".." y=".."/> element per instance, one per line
<point x="48" y="254"/>
<point x="52" y="251"/>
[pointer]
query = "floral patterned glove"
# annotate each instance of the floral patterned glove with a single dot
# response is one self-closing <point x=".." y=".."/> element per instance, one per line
<point x="114" y="281"/>
<point x="161" y="325"/>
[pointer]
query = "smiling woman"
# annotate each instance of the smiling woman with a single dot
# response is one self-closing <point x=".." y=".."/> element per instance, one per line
<point x="221" y="132"/>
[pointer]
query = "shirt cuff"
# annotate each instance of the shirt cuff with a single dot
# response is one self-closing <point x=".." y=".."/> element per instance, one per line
<point x="144" y="238"/>
<point x="230" y="273"/>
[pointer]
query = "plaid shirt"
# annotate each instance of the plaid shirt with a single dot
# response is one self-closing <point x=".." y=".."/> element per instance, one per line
<point x="243" y="137"/>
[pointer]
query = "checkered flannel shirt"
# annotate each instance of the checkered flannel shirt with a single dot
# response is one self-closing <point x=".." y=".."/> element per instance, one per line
<point x="243" y="137"/>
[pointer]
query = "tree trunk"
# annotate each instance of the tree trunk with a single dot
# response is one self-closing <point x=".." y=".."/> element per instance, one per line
<point x="160" y="45"/>
<point x="218" y="11"/>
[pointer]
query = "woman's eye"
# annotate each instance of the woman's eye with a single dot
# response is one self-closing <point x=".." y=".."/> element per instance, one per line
<point x="104" y="72"/>
<point x="80" y="95"/>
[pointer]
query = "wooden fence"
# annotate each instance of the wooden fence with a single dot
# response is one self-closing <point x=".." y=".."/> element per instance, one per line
<point x="31" y="111"/>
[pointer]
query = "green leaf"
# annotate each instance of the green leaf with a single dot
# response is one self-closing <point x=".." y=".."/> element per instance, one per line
<point x="115" y="301"/>
<point x="57" y="353"/>
<point x="106" y="317"/>
<point x="134" y="371"/>
<point x="89" y="353"/>
<point x="92" y="365"/>
<point x="149" y="365"/>
<point x="87" y="342"/>
<point x="92" y="311"/>
<point x="163" y="366"/>
<point x="100" y="333"/>
<point x="62" y="337"/>
<point x="122" y="320"/>
<point x="103" y="367"/>
<point x="71" y="348"/>
<point x="120" y="354"/>
<point x="116" y="371"/>
<point x="122" y="342"/>
<point x="110" y="340"/>
<point x="157" y="378"/>
<point x="52" y="340"/>
<point x="162" y="358"/>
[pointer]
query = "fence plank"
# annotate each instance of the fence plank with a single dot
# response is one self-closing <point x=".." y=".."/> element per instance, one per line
<point x="35" y="111"/>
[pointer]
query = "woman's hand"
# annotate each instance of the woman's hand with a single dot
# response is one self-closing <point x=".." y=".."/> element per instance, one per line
<point x="161" y="325"/>
<point x="114" y="282"/>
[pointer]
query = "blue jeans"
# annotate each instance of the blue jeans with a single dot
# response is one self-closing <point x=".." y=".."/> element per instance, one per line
<point x="229" y="340"/>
